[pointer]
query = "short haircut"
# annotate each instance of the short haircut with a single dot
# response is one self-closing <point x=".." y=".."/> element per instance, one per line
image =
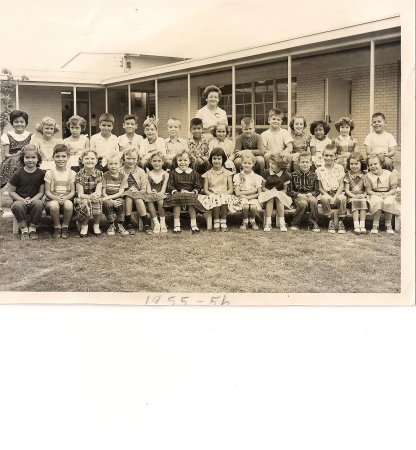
<point x="315" y="123"/>
<point x="292" y="121"/>
<point x="331" y="147"/>
<point x="131" y="151"/>
<point x="275" y="112"/>
<point x="196" y="122"/>
<point x="303" y="155"/>
<point x="180" y="153"/>
<point x="247" y="121"/>
<point x="130" y="117"/>
<point x="60" y="148"/>
<point x="150" y="121"/>
<point x="77" y="120"/>
<point x="47" y="121"/>
<point x="159" y="154"/>
<point x="174" y="119"/>
<point x="357" y="157"/>
<point x="85" y="153"/>
<point x="114" y="155"/>
<point x="16" y="114"/>
<point x="281" y="161"/>
<point x="344" y="121"/>
<point x="106" y="117"/>
<point x="30" y="148"/>
<point x="217" y="151"/>
<point x="247" y="154"/>
<point x="378" y="114"/>
<point x="211" y="88"/>
<point x="223" y="124"/>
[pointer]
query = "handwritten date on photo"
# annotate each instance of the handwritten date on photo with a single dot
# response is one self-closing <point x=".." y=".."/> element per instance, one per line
<point x="184" y="300"/>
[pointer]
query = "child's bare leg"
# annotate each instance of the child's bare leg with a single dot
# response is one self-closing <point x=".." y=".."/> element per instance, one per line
<point x="176" y="219"/>
<point x="252" y="217"/>
<point x="152" y="210"/>
<point x="53" y="207"/>
<point x="192" y="215"/>
<point x="355" y="218"/>
<point x="269" y="212"/>
<point x="96" y="224"/>
<point x="387" y="220"/>
<point x="68" y="210"/>
<point x="224" y="213"/>
<point x="363" y="214"/>
<point x="128" y="205"/>
<point x="141" y="209"/>
<point x="281" y="215"/>
<point x="376" y="221"/>
<point x="161" y="210"/>
<point x="216" y="216"/>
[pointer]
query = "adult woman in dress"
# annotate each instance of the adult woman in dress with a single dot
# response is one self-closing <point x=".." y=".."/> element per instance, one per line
<point x="211" y="114"/>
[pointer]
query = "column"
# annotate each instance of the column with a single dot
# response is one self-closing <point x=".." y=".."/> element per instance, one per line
<point x="289" y="89"/>
<point x="233" y="106"/>
<point x="129" y="98"/>
<point x="189" y="99"/>
<point x="372" y="75"/>
<point x="156" y="100"/>
<point x="75" y="100"/>
<point x="106" y="100"/>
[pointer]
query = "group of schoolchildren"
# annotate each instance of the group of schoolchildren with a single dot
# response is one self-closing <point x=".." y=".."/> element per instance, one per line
<point x="82" y="179"/>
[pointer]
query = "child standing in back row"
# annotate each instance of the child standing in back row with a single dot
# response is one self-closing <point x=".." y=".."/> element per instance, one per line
<point x="221" y="132"/>
<point x="153" y="143"/>
<point x="77" y="142"/>
<point x="249" y="140"/>
<point x="104" y="142"/>
<point x="319" y="140"/>
<point x="174" y="143"/>
<point x="344" y="142"/>
<point x="46" y="141"/>
<point x="130" y="138"/>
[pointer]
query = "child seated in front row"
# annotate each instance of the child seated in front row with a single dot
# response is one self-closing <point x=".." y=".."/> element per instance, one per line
<point x="248" y="186"/>
<point x="381" y="185"/>
<point x="27" y="187"/>
<point x="331" y="185"/>
<point x="88" y="203"/>
<point x="355" y="191"/>
<point x="137" y="188"/>
<point x="183" y="189"/>
<point x="59" y="191"/>
<point x="249" y="140"/>
<point x="275" y="190"/>
<point x="156" y="191"/>
<point x="218" y="189"/>
<point x="319" y="140"/>
<point x="221" y="132"/>
<point x="114" y="185"/>
<point x="304" y="189"/>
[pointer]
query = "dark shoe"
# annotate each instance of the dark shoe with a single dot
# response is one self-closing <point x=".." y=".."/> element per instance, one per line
<point x="33" y="235"/>
<point x="56" y="233"/>
<point x="25" y="236"/>
<point x="148" y="229"/>
<point x="64" y="233"/>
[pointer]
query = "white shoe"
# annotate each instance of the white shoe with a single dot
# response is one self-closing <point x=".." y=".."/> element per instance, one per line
<point x="163" y="229"/>
<point x="111" y="230"/>
<point x="267" y="228"/>
<point x="283" y="227"/>
<point x="374" y="231"/>
<point x="156" y="229"/>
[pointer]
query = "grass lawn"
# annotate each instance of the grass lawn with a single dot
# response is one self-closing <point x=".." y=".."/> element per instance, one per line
<point x="237" y="261"/>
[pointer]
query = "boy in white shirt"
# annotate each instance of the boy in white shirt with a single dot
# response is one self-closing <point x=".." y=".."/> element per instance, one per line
<point x="380" y="141"/>
<point x="276" y="140"/>
<point x="130" y="138"/>
<point x="174" y="143"/>
<point x="104" y="143"/>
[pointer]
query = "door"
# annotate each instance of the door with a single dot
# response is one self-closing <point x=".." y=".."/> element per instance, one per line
<point x="337" y="102"/>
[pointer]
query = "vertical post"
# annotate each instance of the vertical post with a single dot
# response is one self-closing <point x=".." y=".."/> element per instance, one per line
<point x="372" y="75"/>
<point x="89" y="113"/>
<point x="17" y="96"/>
<point x="129" y="98"/>
<point x="156" y="99"/>
<point x="189" y="100"/>
<point x="106" y="100"/>
<point x="289" y="88"/>
<point x="233" y="107"/>
<point x="75" y="100"/>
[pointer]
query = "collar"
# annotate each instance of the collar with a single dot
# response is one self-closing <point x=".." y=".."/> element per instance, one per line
<point x="355" y="175"/>
<point x="218" y="172"/>
<point x="187" y="171"/>
<point x="279" y="174"/>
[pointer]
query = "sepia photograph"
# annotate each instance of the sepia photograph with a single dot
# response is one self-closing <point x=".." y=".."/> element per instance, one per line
<point x="220" y="153"/>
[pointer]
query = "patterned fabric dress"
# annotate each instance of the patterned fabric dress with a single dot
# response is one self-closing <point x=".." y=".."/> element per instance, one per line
<point x="156" y="187"/>
<point x="218" y="187"/>
<point x="10" y="165"/>
<point x="275" y="183"/>
<point x="137" y="183"/>
<point x="344" y="148"/>
<point x="87" y="208"/>
<point x="356" y="183"/>
<point x="188" y="180"/>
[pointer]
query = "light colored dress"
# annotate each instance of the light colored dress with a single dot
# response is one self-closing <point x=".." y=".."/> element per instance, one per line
<point x="218" y="187"/>
<point x="248" y="183"/>
<point x="318" y="158"/>
<point x="382" y="183"/>
<point x="46" y="150"/>
<point x="76" y="147"/>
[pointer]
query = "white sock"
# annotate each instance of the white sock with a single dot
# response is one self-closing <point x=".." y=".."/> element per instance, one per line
<point x="356" y="224"/>
<point x="376" y="224"/>
<point x="281" y="221"/>
<point x="193" y="223"/>
<point x="388" y="224"/>
<point x="24" y="230"/>
<point x="96" y="228"/>
<point x="245" y="221"/>
<point x="162" y="222"/>
<point x="32" y="228"/>
<point x="176" y="223"/>
<point x="362" y="223"/>
<point x="223" y="221"/>
<point x="251" y="219"/>
<point x="156" y="222"/>
<point x="268" y="221"/>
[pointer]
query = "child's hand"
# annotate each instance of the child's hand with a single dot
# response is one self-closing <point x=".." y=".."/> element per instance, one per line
<point x="133" y="189"/>
<point x="184" y="190"/>
<point x="118" y="202"/>
<point x="333" y="200"/>
<point x="239" y="153"/>
<point x="28" y="200"/>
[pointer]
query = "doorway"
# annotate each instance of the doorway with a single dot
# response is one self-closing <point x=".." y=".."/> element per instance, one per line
<point x="337" y="102"/>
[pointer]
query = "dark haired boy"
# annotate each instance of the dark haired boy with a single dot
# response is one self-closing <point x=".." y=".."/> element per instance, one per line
<point x="249" y="140"/>
<point x="198" y="146"/>
<point x="130" y="138"/>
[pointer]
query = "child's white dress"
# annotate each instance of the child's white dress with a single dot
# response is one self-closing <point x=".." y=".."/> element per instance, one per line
<point x="382" y="183"/>
<point x="248" y="183"/>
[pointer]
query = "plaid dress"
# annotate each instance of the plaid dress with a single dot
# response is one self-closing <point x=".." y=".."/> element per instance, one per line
<point x="356" y="183"/>
<point x="87" y="208"/>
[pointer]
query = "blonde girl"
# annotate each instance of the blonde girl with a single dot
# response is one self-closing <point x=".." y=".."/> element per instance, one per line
<point x="248" y="186"/>
<point x="46" y="140"/>
<point x="156" y="190"/>
<point x="152" y="143"/>
<point x="355" y="191"/>
<point x="59" y="191"/>
<point x="275" y="190"/>
<point x="88" y="203"/>
<point x="77" y="142"/>
<point x="183" y="189"/>
<point x="301" y="138"/>
<point x="218" y="189"/>
<point x="27" y="187"/>
<point x="381" y="185"/>
<point x="221" y="131"/>
<point x="12" y="142"/>
<point x="344" y="142"/>
<point x="136" y="192"/>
